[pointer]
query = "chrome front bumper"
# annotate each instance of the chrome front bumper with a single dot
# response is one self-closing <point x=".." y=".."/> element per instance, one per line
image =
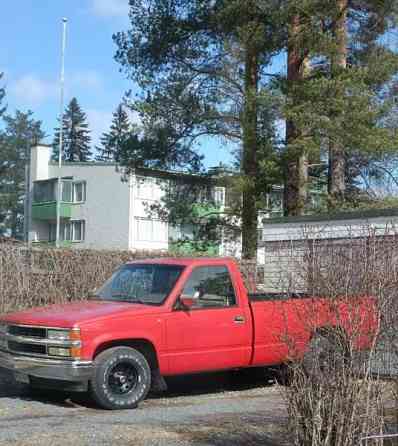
<point x="63" y="370"/>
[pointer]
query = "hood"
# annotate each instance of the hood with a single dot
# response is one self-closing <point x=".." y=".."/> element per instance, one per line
<point x="71" y="314"/>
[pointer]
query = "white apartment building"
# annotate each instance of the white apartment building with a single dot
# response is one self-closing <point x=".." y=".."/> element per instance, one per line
<point x="100" y="208"/>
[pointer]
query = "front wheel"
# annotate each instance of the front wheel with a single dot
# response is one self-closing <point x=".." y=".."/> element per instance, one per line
<point x="122" y="378"/>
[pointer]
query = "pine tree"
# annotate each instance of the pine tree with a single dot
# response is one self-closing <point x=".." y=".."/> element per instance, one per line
<point x="76" y="135"/>
<point x="2" y="94"/>
<point x="112" y="142"/>
<point x="200" y="63"/>
<point x="336" y="186"/>
<point x="339" y="107"/>
<point x="21" y="132"/>
<point x="296" y="153"/>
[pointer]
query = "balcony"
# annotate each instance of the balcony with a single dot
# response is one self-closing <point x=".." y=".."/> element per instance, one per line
<point x="48" y="211"/>
<point x="47" y="244"/>
<point x="45" y="193"/>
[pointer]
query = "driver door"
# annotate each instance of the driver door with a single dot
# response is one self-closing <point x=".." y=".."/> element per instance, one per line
<point x="211" y="332"/>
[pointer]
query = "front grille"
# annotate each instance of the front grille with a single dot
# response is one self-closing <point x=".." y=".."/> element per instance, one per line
<point x="28" y="332"/>
<point x="27" y="348"/>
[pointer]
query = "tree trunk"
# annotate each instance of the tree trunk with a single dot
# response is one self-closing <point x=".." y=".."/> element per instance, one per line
<point x="337" y="180"/>
<point x="296" y="163"/>
<point x="249" y="159"/>
<point x="14" y="223"/>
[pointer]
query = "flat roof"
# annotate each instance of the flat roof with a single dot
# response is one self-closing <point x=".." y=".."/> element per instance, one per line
<point x="138" y="169"/>
<point x="351" y="215"/>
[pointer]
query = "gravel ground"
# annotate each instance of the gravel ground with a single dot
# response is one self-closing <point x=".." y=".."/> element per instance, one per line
<point x="201" y="411"/>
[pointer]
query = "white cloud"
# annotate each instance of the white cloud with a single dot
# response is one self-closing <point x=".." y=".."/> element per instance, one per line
<point x="110" y="8"/>
<point x="99" y="122"/>
<point x="30" y="90"/>
<point x="87" y="79"/>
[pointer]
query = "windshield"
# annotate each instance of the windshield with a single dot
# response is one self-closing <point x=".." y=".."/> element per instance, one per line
<point x="145" y="284"/>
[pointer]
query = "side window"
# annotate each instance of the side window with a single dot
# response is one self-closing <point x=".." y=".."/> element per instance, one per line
<point x="209" y="287"/>
<point x="79" y="192"/>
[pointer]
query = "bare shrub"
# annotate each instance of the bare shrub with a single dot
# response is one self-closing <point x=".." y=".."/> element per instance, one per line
<point x="336" y="397"/>
<point x="36" y="277"/>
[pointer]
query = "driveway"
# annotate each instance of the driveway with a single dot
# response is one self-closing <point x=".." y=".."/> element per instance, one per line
<point x="201" y="411"/>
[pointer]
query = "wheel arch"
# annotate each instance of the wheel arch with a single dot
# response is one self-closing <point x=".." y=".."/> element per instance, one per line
<point x="144" y="346"/>
<point x="333" y="332"/>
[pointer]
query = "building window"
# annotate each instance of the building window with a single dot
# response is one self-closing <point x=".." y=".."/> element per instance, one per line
<point x="219" y="196"/>
<point x="47" y="191"/>
<point x="44" y="191"/>
<point x="66" y="191"/>
<point x="181" y="232"/>
<point x="71" y="231"/>
<point x="77" y="230"/>
<point x="79" y="192"/>
<point x="151" y="230"/>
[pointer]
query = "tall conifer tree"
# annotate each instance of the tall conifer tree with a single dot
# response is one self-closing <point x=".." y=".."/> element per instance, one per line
<point x="21" y="132"/>
<point x="112" y="142"/>
<point x="76" y="135"/>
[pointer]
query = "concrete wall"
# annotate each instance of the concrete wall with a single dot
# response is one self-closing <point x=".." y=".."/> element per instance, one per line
<point x="39" y="159"/>
<point x="39" y="170"/>
<point x="286" y="243"/>
<point x="106" y="209"/>
<point x="329" y="229"/>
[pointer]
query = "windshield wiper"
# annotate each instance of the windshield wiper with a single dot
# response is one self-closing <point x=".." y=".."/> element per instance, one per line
<point x="137" y="300"/>
<point x="93" y="296"/>
<point x="130" y="299"/>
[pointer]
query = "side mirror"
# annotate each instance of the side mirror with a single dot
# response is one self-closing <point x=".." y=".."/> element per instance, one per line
<point x="197" y="295"/>
<point x="180" y="305"/>
<point x="92" y="293"/>
<point x="199" y="292"/>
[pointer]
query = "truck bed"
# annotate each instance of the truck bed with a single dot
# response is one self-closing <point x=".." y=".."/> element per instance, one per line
<point x="270" y="296"/>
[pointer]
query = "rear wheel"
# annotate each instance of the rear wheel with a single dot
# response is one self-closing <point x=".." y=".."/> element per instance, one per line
<point x="326" y="353"/>
<point x="122" y="378"/>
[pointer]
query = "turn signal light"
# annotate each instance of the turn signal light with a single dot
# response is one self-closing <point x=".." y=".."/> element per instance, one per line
<point x="74" y="334"/>
<point x="75" y="352"/>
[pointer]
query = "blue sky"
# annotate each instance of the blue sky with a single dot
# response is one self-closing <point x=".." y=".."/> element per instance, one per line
<point x="30" y="57"/>
<point x="30" y="43"/>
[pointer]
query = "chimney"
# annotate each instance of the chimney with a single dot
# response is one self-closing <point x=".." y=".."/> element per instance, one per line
<point x="39" y="160"/>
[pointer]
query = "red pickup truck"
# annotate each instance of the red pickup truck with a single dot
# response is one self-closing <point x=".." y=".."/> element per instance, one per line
<point x="157" y="318"/>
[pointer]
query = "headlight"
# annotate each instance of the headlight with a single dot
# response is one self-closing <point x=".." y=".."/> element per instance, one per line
<point x="3" y="327"/>
<point x="3" y="342"/>
<point x="58" y="335"/>
<point x="59" y="351"/>
<point x="69" y="340"/>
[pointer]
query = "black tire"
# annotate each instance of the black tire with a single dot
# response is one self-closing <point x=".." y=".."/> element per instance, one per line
<point x="283" y="374"/>
<point x="327" y="352"/>
<point x="122" y="378"/>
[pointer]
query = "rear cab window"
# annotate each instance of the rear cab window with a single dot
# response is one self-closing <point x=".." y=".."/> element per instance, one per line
<point x="209" y="287"/>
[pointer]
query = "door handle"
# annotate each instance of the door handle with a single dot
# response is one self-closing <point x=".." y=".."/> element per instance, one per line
<point x="239" y="319"/>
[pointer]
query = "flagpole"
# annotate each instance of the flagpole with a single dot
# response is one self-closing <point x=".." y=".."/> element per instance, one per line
<point x="61" y="134"/>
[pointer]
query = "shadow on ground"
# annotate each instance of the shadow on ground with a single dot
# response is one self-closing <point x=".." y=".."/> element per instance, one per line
<point x="209" y="383"/>
<point x="187" y="385"/>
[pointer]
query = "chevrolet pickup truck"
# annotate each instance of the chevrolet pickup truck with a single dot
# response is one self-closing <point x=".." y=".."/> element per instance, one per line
<point x="157" y="318"/>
